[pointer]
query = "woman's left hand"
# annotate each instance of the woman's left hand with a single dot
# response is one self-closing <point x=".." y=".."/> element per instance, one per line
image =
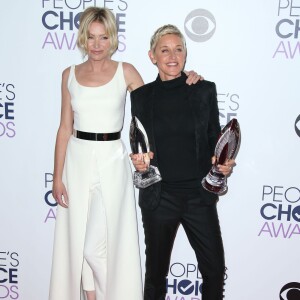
<point x="193" y="77"/>
<point x="225" y="169"/>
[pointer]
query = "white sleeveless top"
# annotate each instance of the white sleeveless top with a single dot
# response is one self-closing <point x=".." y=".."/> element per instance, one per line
<point x="98" y="109"/>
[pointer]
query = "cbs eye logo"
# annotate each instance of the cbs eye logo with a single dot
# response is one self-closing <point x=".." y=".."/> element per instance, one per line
<point x="200" y="25"/>
<point x="297" y="125"/>
<point x="290" y="291"/>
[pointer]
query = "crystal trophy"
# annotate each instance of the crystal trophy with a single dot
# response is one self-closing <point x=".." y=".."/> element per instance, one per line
<point x="140" y="145"/>
<point x="226" y="148"/>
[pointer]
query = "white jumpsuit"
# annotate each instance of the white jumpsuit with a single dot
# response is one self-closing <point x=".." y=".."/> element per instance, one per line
<point x="97" y="172"/>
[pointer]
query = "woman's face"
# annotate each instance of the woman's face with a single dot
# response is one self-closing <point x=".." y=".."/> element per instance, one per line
<point x="98" y="44"/>
<point x="169" y="56"/>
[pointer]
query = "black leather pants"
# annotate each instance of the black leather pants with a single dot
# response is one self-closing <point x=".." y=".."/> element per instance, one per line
<point x="201" y="224"/>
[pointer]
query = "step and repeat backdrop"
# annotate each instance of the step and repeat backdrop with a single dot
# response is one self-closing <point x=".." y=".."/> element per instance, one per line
<point x="250" y="49"/>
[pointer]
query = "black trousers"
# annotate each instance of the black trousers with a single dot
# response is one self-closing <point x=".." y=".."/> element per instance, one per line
<point x="201" y="224"/>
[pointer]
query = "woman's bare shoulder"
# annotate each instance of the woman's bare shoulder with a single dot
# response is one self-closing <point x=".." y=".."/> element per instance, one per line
<point x="132" y="76"/>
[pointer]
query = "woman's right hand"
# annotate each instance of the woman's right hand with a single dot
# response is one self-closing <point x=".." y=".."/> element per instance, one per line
<point x="60" y="194"/>
<point x="141" y="161"/>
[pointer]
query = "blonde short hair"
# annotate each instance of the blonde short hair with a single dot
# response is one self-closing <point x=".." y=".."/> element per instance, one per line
<point x="103" y="16"/>
<point x="163" y="30"/>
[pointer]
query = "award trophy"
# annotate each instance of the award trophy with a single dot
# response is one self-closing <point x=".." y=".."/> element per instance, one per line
<point x="140" y="145"/>
<point x="226" y="148"/>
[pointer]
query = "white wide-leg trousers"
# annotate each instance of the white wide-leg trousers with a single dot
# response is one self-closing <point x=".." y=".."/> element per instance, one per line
<point x="95" y="250"/>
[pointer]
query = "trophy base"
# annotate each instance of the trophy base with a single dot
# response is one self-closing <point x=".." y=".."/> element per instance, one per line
<point x="215" y="182"/>
<point x="212" y="188"/>
<point x="144" y="179"/>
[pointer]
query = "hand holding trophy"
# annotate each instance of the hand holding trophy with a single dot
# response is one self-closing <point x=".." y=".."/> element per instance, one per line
<point x="226" y="148"/>
<point x="140" y="145"/>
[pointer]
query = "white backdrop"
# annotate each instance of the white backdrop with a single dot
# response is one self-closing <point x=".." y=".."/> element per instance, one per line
<point x="250" y="49"/>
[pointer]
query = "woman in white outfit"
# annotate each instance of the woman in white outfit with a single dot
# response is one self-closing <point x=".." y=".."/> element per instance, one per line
<point x="96" y="251"/>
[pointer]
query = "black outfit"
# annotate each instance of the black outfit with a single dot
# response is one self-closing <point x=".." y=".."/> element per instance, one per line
<point x="182" y="124"/>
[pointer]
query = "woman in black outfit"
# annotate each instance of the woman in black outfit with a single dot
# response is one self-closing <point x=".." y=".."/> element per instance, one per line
<point x="182" y="124"/>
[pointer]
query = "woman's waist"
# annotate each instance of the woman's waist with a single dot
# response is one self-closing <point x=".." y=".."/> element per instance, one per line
<point x="97" y="135"/>
<point x="187" y="183"/>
